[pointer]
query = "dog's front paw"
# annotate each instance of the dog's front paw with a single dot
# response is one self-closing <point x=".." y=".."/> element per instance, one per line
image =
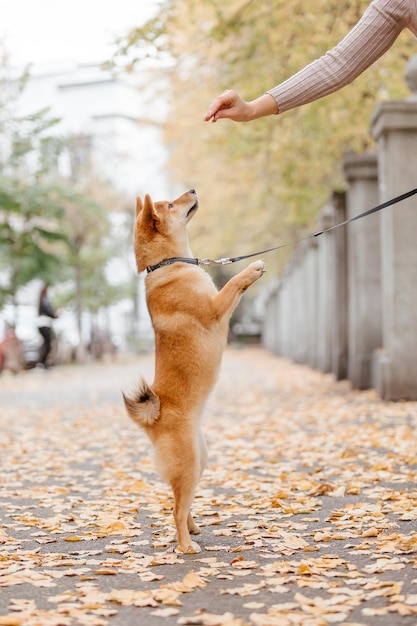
<point x="259" y="266"/>
<point x="257" y="269"/>
<point x="190" y="548"/>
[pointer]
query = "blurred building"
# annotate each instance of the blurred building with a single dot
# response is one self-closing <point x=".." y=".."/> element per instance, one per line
<point x="116" y="125"/>
<point x="118" y="121"/>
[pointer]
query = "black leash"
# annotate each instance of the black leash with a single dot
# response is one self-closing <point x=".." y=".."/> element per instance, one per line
<point x="227" y="260"/>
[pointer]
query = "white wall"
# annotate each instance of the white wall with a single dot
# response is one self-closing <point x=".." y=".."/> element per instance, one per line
<point x="123" y="121"/>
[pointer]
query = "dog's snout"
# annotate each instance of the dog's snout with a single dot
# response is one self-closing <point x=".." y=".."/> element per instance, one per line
<point x="192" y="191"/>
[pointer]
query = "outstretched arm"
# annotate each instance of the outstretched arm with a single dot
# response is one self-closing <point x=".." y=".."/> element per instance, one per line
<point x="373" y="35"/>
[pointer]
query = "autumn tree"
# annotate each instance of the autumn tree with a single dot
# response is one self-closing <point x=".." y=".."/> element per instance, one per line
<point x="263" y="182"/>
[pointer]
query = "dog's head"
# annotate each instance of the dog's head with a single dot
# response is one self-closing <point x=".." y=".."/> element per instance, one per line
<point x="161" y="228"/>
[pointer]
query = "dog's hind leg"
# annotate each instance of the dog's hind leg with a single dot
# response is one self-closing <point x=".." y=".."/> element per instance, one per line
<point x="183" y="497"/>
<point x="202" y="446"/>
<point x="192" y="526"/>
<point x="183" y="487"/>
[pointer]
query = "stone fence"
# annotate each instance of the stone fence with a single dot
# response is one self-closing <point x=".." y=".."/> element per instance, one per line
<point x="347" y="301"/>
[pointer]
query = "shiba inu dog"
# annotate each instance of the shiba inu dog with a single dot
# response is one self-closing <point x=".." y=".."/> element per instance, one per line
<point x="190" y="318"/>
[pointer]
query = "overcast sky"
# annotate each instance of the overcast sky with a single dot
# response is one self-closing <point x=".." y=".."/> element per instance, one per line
<point x="41" y="31"/>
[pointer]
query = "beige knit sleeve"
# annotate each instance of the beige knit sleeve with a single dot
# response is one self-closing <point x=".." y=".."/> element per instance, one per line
<point x="373" y="35"/>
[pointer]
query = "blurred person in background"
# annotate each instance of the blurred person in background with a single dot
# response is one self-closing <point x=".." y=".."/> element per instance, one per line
<point x="47" y="314"/>
<point x="11" y="351"/>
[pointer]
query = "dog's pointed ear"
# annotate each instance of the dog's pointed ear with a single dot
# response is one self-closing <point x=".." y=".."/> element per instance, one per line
<point x="139" y="206"/>
<point x="150" y="214"/>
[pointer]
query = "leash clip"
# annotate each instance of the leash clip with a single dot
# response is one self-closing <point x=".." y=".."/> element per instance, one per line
<point x="211" y="262"/>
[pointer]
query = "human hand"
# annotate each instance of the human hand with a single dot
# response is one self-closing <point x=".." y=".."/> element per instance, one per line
<point x="228" y="105"/>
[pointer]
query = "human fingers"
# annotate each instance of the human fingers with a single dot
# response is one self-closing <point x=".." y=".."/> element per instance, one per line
<point x="220" y="105"/>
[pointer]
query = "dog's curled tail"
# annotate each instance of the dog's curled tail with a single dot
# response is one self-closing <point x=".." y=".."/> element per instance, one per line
<point x="143" y="406"/>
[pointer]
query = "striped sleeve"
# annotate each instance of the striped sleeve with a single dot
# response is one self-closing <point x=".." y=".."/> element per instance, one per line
<point x="373" y="35"/>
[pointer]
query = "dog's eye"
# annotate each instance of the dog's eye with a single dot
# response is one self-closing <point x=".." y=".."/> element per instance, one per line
<point x="170" y="205"/>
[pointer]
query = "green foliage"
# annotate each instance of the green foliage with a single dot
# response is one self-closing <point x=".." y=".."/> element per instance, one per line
<point x="29" y="228"/>
<point x="263" y="182"/>
<point x="27" y="137"/>
<point x="50" y="228"/>
<point x="30" y="215"/>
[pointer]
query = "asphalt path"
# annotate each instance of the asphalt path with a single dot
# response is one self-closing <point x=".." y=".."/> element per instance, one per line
<point x="307" y="509"/>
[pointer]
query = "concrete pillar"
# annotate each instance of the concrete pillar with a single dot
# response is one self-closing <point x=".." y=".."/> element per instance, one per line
<point x="286" y="329"/>
<point x="311" y="312"/>
<point x="326" y="282"/>
<point x="394" y="126"/>
<point x="303" y="323"/>
<point x="340" y="304"/>
<point x="299" y="310"/>
<point x="295" y="309"/>
<point x="364" y="268"/>
<point x="270" y="324"/>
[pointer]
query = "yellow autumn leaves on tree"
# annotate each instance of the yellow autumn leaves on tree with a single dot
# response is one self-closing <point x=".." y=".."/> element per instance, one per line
<point x="260" y="182"/>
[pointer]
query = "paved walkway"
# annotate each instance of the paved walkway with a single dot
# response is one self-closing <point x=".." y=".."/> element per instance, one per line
<point x="308" y="506"/>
